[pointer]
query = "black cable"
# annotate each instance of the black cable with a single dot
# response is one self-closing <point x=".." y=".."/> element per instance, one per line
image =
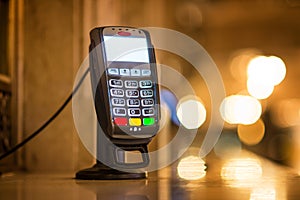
<point x="35" y="133"/>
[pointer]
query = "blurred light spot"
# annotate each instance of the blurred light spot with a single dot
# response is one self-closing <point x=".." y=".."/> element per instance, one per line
<point x="251" y="134"/>
<point x="239" y="64"/>
<point x="240" y="109"/>
<point x="263" y="193"/>
<point x="191" y="168"/>
<point x="266" y="70"/>
<point x="286" y="113"/>
<point x="191" y="112"/>
<point x="171" y="101"/>
<point x="189" y="15"/>
<point x="259" y="90"/>
<point x="228" y="145"/>
<point x="242" y="172"/>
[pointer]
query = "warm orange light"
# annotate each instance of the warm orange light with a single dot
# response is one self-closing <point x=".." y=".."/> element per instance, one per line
<point x="240" y="109"/>
<point x="191" y="112"/>
<point x="259" y="90"/>
<point x="242" y="172"/>
<point x="251" y="134"/>
<point x="286" y="113"/>
<point x="239" y="64"/>
<point x="267" y="70"/>
<point x="268" y="193"/>
<point x="263" y="74"/>
<point x="191" y="168"/>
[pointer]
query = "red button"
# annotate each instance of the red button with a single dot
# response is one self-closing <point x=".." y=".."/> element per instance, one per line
<point x="123" y="33"/>
<point x="121" y="121"/>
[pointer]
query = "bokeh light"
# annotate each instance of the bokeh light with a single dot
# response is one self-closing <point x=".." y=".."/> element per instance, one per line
<point x="259" y="90"/>
<point x="191" y="168"/>
<point x="263" y="74"/>
<point x="243" y="172"/>
<point x="251" y="134"/>
<point x="191" y="112"/>
<point x="239" y="63"/>
<point x="286" y="113"/>
<point x="263" y="193"/>
<point x="240" y="109"/>
<point x="266" y="70"/>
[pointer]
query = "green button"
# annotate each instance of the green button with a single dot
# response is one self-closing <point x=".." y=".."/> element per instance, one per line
<point x="148" y="121"/>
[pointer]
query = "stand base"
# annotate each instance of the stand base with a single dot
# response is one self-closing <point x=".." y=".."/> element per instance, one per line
<point x="101" y="172"/>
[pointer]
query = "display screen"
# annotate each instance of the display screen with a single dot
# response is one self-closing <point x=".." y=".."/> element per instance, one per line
<point x="126" y="49"/>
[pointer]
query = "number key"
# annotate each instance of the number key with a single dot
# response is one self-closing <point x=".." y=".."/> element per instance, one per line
<point x="115" y="83"/>
<point x="131" y="84"/>
<point x="146" y="93"/>
<point x="132" y="93"/>
<point x="119" y="111"/>
<point x="147" y="102"/>
<point x="146" y="84"/>
<point x="117" y="92"/>
<point x="148" y="111"/>
<point x="133" y="102"/>
<point x="118" y="102"/>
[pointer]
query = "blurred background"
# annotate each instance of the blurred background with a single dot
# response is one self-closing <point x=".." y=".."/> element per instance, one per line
<point x="255" y="44"/>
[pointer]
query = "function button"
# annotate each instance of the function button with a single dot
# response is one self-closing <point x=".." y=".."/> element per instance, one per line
<point x="135" y="72"/>
<point x="148" y="111"/>
<point x="118" y="102"/>
<point x="132" y="93"/>
<point x="119" y="111"/>
<point x="135" y="122"/>
<point x="133" y="102"/>
<point x="120" y="121"/>
<point x="148" y="121"/>
<point x="131" y="84"/>
<point x="147" y="102"/>
<point x="117" y="92"/>
<point x="146" y="84"/>
<point x="146" y="93"/>
<point x="134" y="112"/>
<point x="146" y="72"/>
<point x="116" y="83"/>
<point x="113" y="71"/>
<point x="124" y="72"/>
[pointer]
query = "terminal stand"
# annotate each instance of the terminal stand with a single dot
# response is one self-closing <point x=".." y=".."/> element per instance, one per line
<point x="106" y="152"/>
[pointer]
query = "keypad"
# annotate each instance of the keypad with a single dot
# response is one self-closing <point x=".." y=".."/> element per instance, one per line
<point x="132" y="98"/>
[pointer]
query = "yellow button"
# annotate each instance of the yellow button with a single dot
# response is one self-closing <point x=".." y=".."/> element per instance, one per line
<point x="135" y="121"/>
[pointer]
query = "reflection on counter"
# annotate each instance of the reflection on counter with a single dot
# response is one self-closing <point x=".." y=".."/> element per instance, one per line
<point x="246" y="176"/>
<point x="191" y="168"/>
<point x="243" y="172"/>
